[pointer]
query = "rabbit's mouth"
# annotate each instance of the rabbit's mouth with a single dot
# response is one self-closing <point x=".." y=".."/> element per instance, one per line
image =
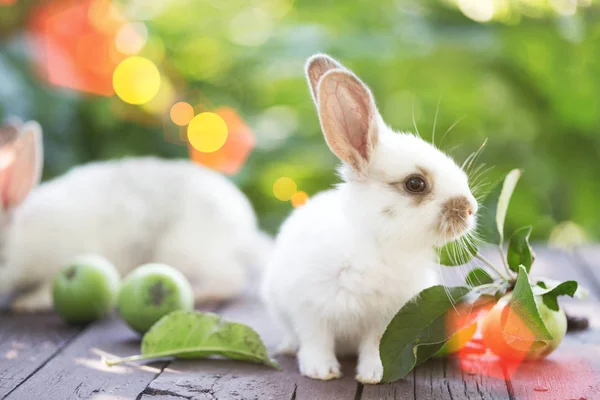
<point x="457" y="218"/>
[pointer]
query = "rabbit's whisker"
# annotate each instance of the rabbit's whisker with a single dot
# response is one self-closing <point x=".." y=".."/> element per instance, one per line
<point x="435" y="120"/>
<point x="449" y="129"/>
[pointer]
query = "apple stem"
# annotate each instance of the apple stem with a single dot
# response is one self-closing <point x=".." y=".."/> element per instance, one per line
<point x="503" y="258"/>
<point x="489" y="264"/>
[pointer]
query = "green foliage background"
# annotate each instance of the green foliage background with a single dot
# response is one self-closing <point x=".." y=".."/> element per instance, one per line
<point x="529" y="81"/>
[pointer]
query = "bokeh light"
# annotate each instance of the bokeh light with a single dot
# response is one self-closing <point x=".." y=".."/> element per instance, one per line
<point x="251" y="27"/>
<point x="104" y="16"/>
<point x="144" y="9"/>
<point x="75" y="44"/>
<point x="299" y="198"/>
<point x="275" y="125"/>
<point x="182" y="113"/>
<point x="131" y="38"/>
<point x="207" y="132"/>
<point x="136" y="80"/>
<point x="284" y="188"/>
<point x="7" y="2"/>
<point x="567" y="236"/>
<point x="477" y="10"/>
<point x="230" y="158"/>
<point x="564" y="7"/>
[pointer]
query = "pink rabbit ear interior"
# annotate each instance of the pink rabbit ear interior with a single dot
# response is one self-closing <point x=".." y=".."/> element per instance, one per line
<point x="21" y="165"/>
<point x="316" y="67"/>
<point x="348" y="117"/>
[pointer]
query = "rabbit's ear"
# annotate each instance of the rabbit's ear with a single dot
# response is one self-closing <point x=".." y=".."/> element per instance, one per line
<point x="348" y="117"/>
<point x="316" y="67"/>
<point x="9" y="131"/>
<point x="21" y="165"/>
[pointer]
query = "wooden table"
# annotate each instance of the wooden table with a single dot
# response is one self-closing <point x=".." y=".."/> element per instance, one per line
<point x="41" y="358"/>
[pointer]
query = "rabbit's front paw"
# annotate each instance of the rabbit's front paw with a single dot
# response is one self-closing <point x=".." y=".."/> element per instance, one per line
<point x="369" y="371"/>
<point x="319" y="366"/>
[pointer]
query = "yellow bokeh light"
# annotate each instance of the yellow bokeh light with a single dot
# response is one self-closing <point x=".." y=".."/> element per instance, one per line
<point x="182" y="113"/>
<point x="284" y="188"/>
<point x="136" y="80"/>
<point x="207" y="132"/>
<point x="299" y="198"/>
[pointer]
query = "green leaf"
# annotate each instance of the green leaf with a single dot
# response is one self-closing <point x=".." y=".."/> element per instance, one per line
<point x="544" y="284"/>
<point x="519" y="250"/>
<point x="193" y="334"/>
<point x="456" y="253"/>
<point x="494" y="207"/>
<point x="550" y="294"/>
<point x="418" y="330"/>
<point x="478" y="276"/>
<point x="524" y="314"/>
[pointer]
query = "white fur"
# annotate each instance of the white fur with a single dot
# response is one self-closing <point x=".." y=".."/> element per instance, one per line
<point x="132" y="212"/>
<point x="341" y="268"/>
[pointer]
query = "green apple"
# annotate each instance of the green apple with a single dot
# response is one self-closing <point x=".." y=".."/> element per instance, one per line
<point x="150" y="292"/>
<point x="86" y="289"/>
<point x="493" y="338"/>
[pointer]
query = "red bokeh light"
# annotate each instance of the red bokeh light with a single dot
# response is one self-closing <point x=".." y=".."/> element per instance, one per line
<point x="475" y="358"/>
<point x="75" y="43"/>
<point x="7" y="2"/>
<point x="230" y="158"/>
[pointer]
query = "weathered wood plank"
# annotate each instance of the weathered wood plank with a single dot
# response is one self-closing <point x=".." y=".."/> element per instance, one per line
<point x="236" y="380"/>
<point x="443" y="378"/>
<point x="79" y="372"/>
<point x="27" y="342"/>
<point x="402" y="389"/>
<point x="571" y="372"/>
<point x="252" y="312"/>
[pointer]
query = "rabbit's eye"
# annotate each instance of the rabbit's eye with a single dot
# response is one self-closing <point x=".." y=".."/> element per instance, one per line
<point x="415" y="184"/>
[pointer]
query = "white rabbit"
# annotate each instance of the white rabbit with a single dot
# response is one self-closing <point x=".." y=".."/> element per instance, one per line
<point x="131" y="211"/>
<point x="351" y="257"/>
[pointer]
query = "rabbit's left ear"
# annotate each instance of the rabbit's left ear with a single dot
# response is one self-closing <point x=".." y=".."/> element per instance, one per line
<point x="348" y="117"/>
<point x="21" y="165"/>
<point x="316" y="67"/>
<point x="9" y="131"/>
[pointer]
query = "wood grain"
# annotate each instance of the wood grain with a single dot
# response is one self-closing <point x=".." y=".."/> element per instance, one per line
<point x="220" y="379"/>
<point x="42" y="358"/>
<point x="27" y="342"/>
<point x="443" y="378"/>
<point x="79" y="372"/>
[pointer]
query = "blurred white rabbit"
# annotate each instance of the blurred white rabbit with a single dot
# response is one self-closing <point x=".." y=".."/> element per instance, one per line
<point x="131" y="211"/>
<point x="351" y="257"/>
